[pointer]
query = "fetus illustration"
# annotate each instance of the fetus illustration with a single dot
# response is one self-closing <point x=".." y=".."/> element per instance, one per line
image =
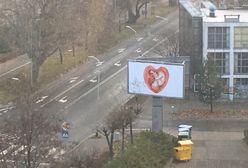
<point x="156" y="79"/>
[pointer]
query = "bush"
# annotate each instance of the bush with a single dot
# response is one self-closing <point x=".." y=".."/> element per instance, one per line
<point x="150" y="150"/>
<point x="246" y="136"/>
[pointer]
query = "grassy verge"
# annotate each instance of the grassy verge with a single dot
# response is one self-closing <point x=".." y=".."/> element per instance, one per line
<point x="52" y="68"/>
<point x="150" y="150"/>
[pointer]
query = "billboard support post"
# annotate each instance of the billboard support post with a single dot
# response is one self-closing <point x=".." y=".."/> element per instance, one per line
<point x="157" y="114"/>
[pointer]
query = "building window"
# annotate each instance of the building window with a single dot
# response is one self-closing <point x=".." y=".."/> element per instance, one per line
<point x="241" y="81"/>
<point x="225" y="85"/>
<point x="221" y="61"/>
<point x="241" y="88"/>
<point x="241" y="37"/>
<point x="241" y="63"/>
<point x="218" y="37"/>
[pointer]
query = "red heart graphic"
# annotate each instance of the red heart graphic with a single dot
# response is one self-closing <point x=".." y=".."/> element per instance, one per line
<point x="156" y="79"/>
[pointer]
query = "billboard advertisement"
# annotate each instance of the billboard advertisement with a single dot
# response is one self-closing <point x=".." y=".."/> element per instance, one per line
<point x="156" y="78"/>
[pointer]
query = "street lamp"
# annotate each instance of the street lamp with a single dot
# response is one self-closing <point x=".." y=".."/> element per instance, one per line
<point x="98" y="74"/>
<point x="160" y="17"/>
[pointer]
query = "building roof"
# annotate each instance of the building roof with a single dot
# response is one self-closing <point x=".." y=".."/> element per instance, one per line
<point x="230" y="14"/>
<point x="193" y="8"/>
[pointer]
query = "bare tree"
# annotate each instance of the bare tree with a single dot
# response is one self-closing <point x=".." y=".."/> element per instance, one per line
<point x="34" y="23"/>
<point x="111" y="125"/>
<point x="135" y="5"/>
<point x="31" y="133"/>
<point x="170" y="47"/>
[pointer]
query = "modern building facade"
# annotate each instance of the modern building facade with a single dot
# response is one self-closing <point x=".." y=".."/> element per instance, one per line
<point x="225" y="38"/>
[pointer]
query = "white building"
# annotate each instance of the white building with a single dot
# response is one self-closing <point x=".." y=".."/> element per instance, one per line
<point x="225" y="38"/>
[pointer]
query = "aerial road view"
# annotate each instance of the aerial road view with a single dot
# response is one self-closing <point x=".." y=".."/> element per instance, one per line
<point x="123" y="84"/>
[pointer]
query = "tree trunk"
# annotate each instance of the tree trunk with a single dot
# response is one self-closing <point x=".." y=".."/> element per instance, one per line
<point x="73" y="49"/>
<point x="211" y="99"/>
<point x="61" y="56"/>
<point x="86" y="40"/>
<point x="111" y="153"/>
<point x="211" y="104"/>
<point x="131" y="17"/>
<point x="35" y="67"/>
<point x="122" y="139"/>
<point x="119" y="22"/>
<point x="131" y="131"/>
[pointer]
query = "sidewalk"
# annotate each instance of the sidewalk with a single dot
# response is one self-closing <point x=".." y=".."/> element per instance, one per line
<point x="12" y="67"/>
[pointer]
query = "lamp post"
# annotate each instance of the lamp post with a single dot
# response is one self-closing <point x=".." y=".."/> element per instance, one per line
<point x="129" y="27"/>
<point x="161" y="17"/>
<point x="99" y="63"/>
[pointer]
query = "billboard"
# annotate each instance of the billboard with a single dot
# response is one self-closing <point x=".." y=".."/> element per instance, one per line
<point x="156" y="78"/>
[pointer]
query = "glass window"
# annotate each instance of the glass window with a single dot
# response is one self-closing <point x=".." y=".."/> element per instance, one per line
<point x="221" y="61"/>
<point x="241" y="37"/>
<point x="241" y="63"/>
<point x="241" y="81"/>
<point x="218" y="37"/>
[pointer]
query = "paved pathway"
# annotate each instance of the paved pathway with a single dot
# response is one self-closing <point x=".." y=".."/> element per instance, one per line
<point x="11" y="67"/>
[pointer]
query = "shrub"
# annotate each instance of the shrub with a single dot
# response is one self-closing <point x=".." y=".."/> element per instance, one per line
<point x="150" y="150"/>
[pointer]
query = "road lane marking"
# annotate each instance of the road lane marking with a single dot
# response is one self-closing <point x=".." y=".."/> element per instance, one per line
<point x="63" y="100"/>
<point x="155" y="39"/>
<point x="62" y="93"/>
<point x="94" y="80"/>
<point x="14" y="78"/>
<point x="138" y="50"/>
<point x="73" y="79"/>
<point x="121" y="50"/>
<point x="99" y="63"/>
<point x="118" y="64"/>
<point x="41" y="99"/>
<point x="140" y="38"/>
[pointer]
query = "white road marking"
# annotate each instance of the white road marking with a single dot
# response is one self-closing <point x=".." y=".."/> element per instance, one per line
<point x="117" y="64"/>
<point x="14" y="78"/>
<point x="8" y="149"/>
<point x="63" y="100"/>
<point x="140" y="38"/>
<point x="138" y="50"/>
<point x="94" y="80"/>
<point x="41" y="99"/>
<point x="99" y="63"/>
<point x="121" y="50"/>
<point x="62" y="93"/>
<point x="73" y="79"/>
<point x="18" y="150"/>
<point x="155" y="39"/>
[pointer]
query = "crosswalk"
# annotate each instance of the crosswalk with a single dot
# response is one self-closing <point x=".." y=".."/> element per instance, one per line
<point x="10" y="150"/>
